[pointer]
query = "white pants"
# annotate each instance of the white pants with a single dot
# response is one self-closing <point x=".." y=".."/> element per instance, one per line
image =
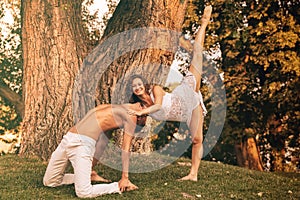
<point x="79" y="149"/>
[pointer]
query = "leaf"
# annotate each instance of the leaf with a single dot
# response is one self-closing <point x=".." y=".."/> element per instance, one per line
<point x="186" y="195"/>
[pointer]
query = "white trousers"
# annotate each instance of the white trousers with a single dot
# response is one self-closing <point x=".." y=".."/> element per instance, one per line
<point x="79" y="150"/>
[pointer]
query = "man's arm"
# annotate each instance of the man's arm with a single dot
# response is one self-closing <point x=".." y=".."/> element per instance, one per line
<point x="101" y="145"/>
<point x="129" y="127"/>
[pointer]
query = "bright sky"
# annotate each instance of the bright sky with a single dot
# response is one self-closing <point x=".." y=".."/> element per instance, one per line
<point x="6" y="21"/>
<point x="99" y="5"/>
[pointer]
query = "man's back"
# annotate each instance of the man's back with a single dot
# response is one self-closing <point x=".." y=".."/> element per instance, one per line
<point x="103" y="118"/>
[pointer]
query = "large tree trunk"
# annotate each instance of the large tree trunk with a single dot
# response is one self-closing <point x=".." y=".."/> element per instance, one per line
<point x="152" y="50"/>
<point x="53" y="50"/>
<point x="247" y="154"/>
<point x="140" y="38"/>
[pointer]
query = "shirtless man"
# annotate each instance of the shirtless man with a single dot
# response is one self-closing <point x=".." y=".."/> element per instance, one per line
<point x="78" y="146"/>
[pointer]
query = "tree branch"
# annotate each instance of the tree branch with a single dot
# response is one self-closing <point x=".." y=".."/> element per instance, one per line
<point x="14" y="98"/>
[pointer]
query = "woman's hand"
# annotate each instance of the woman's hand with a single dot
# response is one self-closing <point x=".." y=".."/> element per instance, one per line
<point x="134" y="112"/>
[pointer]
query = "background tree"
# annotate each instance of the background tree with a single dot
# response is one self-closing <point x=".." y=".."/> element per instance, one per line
<point x="54" y="44"/>
<point x="260" y="61"/>
<point x="260" y="65"/>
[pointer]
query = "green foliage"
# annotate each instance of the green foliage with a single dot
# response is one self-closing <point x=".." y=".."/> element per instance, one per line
<point x="22" y="179"/>
<point x="261" y="66"/>
<point x="10" y="64"/>
<point x="170" y="136"/>
<point x="259" y="42"/>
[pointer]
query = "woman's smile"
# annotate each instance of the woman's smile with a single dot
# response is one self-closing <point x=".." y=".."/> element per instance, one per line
<point x="138" y="86"/>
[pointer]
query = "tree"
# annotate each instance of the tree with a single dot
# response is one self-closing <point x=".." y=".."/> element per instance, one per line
<point x="260" y="65"/>
<point x="54" y="47"/>
<point x="261" y="69"/>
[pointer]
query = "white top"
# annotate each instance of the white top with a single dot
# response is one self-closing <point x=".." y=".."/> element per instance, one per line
<point x="178" y="105"/>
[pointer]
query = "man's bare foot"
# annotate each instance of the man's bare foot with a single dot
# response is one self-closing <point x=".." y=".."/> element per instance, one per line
<point x="95" y="177"/>
<point x="189" y="178"/>
<point x="206" y="15"/>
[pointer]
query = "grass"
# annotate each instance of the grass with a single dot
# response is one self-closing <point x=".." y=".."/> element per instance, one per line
<point x="21" y="178"/>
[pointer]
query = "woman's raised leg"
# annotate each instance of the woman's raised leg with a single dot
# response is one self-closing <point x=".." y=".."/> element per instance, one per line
<point x="197" y="60"/>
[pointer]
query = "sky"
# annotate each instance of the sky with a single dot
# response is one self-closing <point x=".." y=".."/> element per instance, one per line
<point x="6" y="21"/>
<point x="99" y="5"/>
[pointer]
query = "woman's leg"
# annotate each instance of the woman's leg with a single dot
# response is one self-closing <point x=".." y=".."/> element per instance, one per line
<point x="197" y="60"/>
<point x="196" y="129"/>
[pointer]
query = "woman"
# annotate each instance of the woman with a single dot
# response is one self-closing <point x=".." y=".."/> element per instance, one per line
<point x="184" y="104"/>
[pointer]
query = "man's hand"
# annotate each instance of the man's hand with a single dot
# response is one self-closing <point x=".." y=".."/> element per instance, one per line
<point x="126" y="185"/>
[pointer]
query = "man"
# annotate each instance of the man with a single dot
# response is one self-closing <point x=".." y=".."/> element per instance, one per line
<point x="78" y="147"/>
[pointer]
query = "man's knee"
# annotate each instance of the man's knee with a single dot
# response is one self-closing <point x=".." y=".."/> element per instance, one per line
<point x="49" y="183"/>
<point x="83" y="194"/>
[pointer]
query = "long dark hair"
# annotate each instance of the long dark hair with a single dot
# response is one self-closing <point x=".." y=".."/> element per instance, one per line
<point x="132" y="97"/>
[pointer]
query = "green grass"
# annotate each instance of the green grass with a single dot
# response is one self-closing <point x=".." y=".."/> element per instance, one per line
<point x="21" y="178"/>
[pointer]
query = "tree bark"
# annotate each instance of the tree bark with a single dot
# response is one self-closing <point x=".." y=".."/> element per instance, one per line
<point x="153" y="61"/>
<point x="53" y="49"/>
<point x="247" y="154"/>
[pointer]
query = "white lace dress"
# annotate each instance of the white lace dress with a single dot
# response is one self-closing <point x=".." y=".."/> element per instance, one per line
<point x="178" y="105"/>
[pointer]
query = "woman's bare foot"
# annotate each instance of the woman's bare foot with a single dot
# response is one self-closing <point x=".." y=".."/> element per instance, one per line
<point x="189" y="178"/>
<point x="95" y="177"/>
<point x="206" y="15"/>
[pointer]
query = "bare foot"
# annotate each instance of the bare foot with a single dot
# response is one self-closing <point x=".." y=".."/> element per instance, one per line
<point x="189" y="178"/>
<point x="206" y="15"/>
<point x="95" y="177"/>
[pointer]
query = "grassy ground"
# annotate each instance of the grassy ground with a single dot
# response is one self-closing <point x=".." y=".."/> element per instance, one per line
<point x="21" y="178"/>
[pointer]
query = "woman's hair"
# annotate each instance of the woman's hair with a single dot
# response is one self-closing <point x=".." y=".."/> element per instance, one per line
<point x="132" y="97"/>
